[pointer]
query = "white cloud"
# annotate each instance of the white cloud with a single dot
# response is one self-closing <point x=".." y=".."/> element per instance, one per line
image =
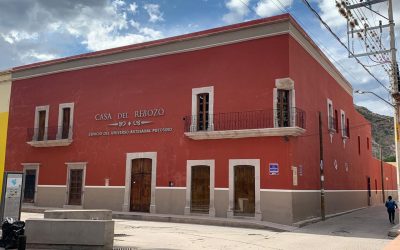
<point x="154" y="34"/>
<point x="330" y="14"/>
<point x="134" y="24"/>
<point x="102" y="40"/>
<point x="154" y="12"/>
<point x="15" y="36"/>
<point x="133" y="7"/>
<point x="32" y="55"/>
<point x="238" y="9"/>
<point x="266" y="8"/>
<point x="111" y="30"/>
<point x="118" y="3"/>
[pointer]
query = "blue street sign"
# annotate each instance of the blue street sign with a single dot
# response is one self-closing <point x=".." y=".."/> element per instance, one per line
<point x="273" y="169"/>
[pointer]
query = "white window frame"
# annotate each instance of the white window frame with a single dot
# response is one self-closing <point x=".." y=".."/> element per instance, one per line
<point x="249" y="162"/>
<point x="343" y="123"/>
<point x="210" y="91"/>
<point x="331" y="113"/>
<point x="286" y="84"/>
<point x="189" y="165"/>
<point x="31" y="166"/>
<point x="70" y="166"/>
<point x="60" y="119"/>
<point x="36" y="124"/>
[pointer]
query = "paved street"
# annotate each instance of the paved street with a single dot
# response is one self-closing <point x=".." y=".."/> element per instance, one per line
<point x="364" y="229"/>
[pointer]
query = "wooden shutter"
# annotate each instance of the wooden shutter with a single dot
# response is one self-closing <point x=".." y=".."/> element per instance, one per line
<point x="66" y="123"/>
<point x="202" y="111"/>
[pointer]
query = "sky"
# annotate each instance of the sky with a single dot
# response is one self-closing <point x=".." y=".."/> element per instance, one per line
<point x="41" y="30"/>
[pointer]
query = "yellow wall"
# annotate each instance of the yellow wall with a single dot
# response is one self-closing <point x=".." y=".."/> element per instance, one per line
<point x="3" y="139"/>
<point x="5" y="92"/>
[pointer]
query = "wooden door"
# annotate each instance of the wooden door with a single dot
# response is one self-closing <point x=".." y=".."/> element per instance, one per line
<point x="75" y="187"/>
<point x="141" y="185"/>
<point x="200" y="189"/>
<point x="244" y="190"/>
<point x="66" y="123"/>
<point x="42" y="125"/>
<point x="283" y="108"/>
<point x="30" y="186"/>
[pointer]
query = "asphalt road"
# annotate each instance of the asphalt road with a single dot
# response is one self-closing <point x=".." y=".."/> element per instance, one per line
<point x="364" y="229"/>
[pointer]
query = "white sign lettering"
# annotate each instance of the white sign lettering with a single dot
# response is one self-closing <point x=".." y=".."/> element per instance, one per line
<point x="126" y="124"/>
<point x="103" y="117"/>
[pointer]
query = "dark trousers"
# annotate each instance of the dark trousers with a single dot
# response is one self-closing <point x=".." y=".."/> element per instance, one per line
<point x="391" y="215"/>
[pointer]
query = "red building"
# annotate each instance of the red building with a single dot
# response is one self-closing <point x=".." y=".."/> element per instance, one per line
<point x="223" y="122"/>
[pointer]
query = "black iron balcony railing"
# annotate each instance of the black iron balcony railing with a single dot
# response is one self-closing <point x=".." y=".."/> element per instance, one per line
<point x="49" y="133"/>
<point x="258" y="119"/>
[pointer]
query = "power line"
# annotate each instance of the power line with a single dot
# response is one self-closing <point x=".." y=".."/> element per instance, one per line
<point x="338" y="39"/>
<point x="372" y="42"/>
<point x="330" y="30"/>
<point x="315" y="38"/>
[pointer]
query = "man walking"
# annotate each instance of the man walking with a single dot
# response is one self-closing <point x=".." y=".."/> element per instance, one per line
<point x="391" y="207"/>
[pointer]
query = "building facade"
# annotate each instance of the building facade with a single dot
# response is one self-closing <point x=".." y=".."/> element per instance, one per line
<point x="5" y="91"/>
<point x="223" y="122"/>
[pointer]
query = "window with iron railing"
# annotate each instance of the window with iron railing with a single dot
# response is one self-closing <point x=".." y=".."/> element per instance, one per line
<point x="344" y="125"/>
<point x="331" y="119"/>
<point x="257" y="119"/>
<point x="52" y="133"/>
<point x="332" y="124"/>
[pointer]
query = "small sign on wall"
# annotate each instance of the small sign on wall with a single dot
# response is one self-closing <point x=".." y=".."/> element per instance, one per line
<point x="273" y="169"/>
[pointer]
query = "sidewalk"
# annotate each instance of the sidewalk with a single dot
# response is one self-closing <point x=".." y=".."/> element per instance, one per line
<point x="363" y="229"/>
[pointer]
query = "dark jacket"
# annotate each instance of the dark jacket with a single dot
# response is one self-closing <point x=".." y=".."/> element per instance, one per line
<point x="391" y="205"/>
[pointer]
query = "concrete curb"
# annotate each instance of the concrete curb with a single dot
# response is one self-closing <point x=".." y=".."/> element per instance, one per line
<point x="188" y="219"/>
<point x="394" y="231"/>
<point x="202" y="220"/>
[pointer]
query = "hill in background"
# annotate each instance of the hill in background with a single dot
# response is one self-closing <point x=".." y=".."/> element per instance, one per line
<point x="382" y="133"/>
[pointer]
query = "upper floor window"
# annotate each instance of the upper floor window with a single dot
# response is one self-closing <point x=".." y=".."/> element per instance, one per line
<point x="367" y="143"/>
<point x="202" y="109"/>
<point x="331" y="117"/>
<point x="283" y="108"/>
<point x="65" y="120"/>
<point x="344" y="124"/>
<point x="359" y="145"/>
<point x="41" y="123"/>
<point x="336" y="121"/>
<point x="203" y="104"/>
<point x="284" y="103"/>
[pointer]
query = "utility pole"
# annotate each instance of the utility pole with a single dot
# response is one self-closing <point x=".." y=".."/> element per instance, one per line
<point x="395" y="89"/>
<point x="382" y="178"/>
<point x="321" y="166"/>
<point x="352" y="22"/>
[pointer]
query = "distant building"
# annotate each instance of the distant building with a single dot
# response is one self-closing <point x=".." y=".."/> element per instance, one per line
<point x="5" y="90"/>
<point x="221" y="122"/>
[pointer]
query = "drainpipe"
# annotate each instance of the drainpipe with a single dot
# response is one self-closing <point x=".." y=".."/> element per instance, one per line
<point x="321" y="169"/>
<point x="383" y="184"/>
